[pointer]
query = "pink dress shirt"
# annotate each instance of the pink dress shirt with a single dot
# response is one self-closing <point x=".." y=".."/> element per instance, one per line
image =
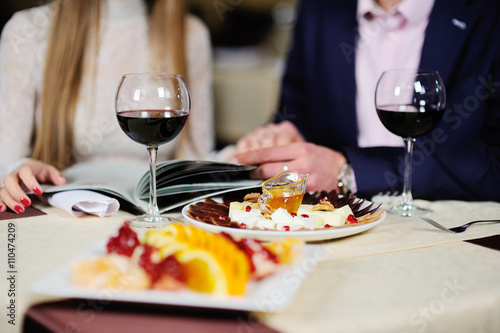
<point x="387" y="40"/>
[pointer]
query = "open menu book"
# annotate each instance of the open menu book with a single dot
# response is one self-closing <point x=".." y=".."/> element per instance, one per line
<point x="179" y="182"/>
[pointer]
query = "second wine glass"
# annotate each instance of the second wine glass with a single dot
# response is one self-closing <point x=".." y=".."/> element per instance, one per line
<point x="410" y="104"/>
<point x="152" y="109"/>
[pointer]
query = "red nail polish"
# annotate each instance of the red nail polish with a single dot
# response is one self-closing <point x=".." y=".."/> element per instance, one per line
<point x="26" y="203"/>
<point x="37" y="190"/>
<point x="19" y="209"/>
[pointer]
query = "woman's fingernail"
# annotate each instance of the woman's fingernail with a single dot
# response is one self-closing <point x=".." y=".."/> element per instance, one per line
<point x="25" y="202"/>
<point x="19" y="209"/>
<point x="37" y="190"/>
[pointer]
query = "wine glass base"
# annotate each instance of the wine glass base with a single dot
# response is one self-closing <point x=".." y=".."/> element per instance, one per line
<point x="409" y="211"/>
<point x="150" y="221"/>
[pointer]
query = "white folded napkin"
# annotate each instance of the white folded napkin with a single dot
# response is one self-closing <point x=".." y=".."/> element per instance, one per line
<point x="81" y="202"/>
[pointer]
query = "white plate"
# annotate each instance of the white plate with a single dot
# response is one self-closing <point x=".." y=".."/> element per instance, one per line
<point x="271" y="294"/>
<point x="305" y="235"/>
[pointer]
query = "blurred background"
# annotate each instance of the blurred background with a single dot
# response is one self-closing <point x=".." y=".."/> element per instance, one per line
<point x="250" y="40"/>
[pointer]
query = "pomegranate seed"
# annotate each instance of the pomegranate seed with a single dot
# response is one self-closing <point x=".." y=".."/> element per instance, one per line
<point x="286" y="228"/>
<point x="323" y="199"/>
<point x="243" y="225"/>
<point x="248" y="208"/>
<point x="304" y="216"/>
<point x="293" y="214"/>
<point x="223" y="217"/>
<point x="351" y="219"/>
<point x="327" y="226"/>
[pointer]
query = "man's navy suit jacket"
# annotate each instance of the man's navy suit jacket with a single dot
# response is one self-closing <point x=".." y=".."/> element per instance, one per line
<point x="460" y="159"/>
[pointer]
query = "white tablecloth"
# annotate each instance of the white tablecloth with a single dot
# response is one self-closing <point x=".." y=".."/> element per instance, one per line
<point x="401" y="276"/>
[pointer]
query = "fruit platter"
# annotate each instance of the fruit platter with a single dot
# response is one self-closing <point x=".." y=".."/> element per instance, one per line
<point x="181" y="264"/>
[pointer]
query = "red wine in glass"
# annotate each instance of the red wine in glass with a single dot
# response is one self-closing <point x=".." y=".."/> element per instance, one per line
<point x="152" y="109"/>
<point x="409" y="121"/>
<point x="152" y="127"/>
<point x="410" y="103"/>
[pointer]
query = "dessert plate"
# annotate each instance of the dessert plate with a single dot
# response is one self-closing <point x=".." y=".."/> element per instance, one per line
<point x="305" y="235"/>
<point x="260" y="295"/>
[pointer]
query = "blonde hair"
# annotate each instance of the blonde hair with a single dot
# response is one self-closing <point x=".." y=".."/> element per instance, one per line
<point x="74" y="27"/>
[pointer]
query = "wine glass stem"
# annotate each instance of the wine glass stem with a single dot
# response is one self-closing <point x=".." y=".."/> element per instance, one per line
<point x="407" y="196"/>
<point x="153" y="205"/>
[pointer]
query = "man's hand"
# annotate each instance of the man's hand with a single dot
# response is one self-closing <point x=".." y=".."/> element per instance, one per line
<point x="321" y="163"/>
<point x="271" y="135"/>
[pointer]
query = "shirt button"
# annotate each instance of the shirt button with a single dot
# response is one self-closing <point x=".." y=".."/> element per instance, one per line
<point x="391" y="35"/>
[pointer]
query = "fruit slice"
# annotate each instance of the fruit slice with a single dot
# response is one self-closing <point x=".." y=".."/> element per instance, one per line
<point x="203" y="272"/>
<point x="286" y="250"/>
<point x="109" y="271"/>
<point x="172" y="248"/>
<point x="211" y="263"/>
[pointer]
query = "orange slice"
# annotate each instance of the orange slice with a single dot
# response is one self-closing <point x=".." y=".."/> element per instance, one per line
<point x="172" y="248"/>
<point x="211" y="263"/>
<point x="203" y="272"/>
<point x="158" y="239"/>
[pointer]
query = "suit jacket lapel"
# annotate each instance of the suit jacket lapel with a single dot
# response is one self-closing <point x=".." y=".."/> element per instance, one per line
<point x="341" y="33"/>
<point x="450" y="20"/>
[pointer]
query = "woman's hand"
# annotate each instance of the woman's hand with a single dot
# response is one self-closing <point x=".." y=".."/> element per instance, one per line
<point x="321" y="163"/>
<point x="27" y="176"/>
<point x="270" y="136"/>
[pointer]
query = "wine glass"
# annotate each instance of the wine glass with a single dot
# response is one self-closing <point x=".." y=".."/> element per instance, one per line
<point x="410" y="103"/>
<point x="152" y="109"/>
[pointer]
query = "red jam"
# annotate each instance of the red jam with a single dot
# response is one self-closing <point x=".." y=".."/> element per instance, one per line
<point x="168" y="266"/>
<point x="171" y="266"/>
<point x="125" y="242"/>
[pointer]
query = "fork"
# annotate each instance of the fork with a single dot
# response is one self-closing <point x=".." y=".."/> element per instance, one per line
<point x="455" y="229"/>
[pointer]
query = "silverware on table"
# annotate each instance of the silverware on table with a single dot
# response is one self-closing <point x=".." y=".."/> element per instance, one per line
<point x="455" y="229"/>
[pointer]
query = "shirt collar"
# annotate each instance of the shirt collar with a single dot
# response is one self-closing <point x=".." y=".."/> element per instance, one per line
<point x="414" y="11"/>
